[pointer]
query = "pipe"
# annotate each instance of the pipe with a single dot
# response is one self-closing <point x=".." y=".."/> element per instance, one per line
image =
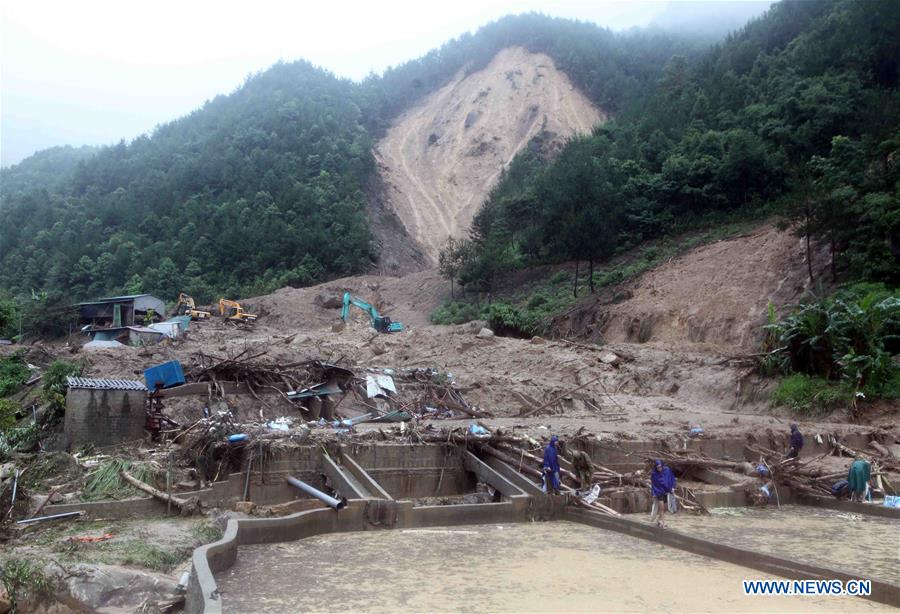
<point x="318" y="494"/>
<point x="53" y="517"/>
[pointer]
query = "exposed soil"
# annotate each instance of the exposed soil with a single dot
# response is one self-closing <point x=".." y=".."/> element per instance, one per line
<point x="716" y="294"/>
<point x="440" y="158"/>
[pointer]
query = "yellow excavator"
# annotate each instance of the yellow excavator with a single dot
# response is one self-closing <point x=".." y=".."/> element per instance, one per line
<point x="233" y="312"/>
<point x="187" y="307"/>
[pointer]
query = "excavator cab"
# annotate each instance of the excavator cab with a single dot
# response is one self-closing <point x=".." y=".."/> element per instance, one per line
<point x="187" y="307"/>
<point x="233" y="312"/>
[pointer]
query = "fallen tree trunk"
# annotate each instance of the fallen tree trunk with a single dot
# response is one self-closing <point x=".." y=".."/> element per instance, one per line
<point x="186" y="506"/>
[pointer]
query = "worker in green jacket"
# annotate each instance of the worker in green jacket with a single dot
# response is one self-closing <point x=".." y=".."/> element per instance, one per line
<point x="858" y="479"/>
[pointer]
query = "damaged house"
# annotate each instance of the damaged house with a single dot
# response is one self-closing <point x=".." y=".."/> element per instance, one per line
<point x="119" y="311"/>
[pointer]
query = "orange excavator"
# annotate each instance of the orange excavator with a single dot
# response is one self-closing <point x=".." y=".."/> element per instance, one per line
<point x="233" y="312"/>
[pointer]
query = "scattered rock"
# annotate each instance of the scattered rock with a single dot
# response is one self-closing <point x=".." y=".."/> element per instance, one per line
<point x="7" y="470"/>
<point x="110" y="586"/>
<point x="607" y="357"/>
<point x="538" y="340"/>
<point x="244" y="507"/>
<point x="485" y="333"/>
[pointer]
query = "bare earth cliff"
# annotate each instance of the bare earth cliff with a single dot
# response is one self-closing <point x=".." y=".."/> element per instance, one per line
<point x="440" y="158"/>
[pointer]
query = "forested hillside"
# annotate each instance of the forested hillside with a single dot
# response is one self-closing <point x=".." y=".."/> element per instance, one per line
<point x="257" y="188"/>
<point x="796" y="114"/>
<point x="264" y="187"/>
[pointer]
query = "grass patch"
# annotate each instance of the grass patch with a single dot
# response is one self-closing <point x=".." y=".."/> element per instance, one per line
<point x="811" y="395"/>
<point x="24" y="581"/>
<point x="143" y="554"/>
<point x="134" y="552"/>
<point x="206" y="533"/>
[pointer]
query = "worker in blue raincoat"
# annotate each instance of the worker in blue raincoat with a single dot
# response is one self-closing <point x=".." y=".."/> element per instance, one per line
<point x="796" y="442"/>
<point x="551" y="466"/>
<point x="662" y="482"/>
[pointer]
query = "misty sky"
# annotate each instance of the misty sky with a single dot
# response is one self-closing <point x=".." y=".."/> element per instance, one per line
<point x="95" y="71"/>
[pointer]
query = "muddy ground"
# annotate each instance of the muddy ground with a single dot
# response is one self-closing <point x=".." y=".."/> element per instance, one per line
<point x="621" y="389"/>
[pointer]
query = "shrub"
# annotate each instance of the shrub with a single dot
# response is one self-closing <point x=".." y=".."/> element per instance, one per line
<point x="853" y="335"/>
<point x="13" y="374"/>
<point x="559" y="278"/>
<point x="8" y="411"/>
<point x="509" y="320"/>
<point x="811" y="395"/>
<point x="53" y="384"/>
<point x="455" y="312"/>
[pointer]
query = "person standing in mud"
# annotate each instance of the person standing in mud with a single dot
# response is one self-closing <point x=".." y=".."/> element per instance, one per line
<point x="551" y="466"/>
<point x="858" y="479"/>
<point x="796" y="442"/>
<point x="662" y="483"/>
<point x="584" y="469"/>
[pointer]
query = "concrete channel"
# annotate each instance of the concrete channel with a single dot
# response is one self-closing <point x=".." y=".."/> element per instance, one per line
<point x="386" y="486"/>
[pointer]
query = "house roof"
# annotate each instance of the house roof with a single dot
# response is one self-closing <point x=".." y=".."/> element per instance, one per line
<point x="105" y="384"/>
<point x="117" y="299"/>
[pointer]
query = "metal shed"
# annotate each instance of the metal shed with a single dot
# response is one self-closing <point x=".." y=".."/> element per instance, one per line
<point x="121" y="310"/>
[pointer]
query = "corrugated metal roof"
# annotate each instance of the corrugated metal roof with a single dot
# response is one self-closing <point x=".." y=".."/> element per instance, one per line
<point x="105" y="384"/>
<point x="117" y="299"/>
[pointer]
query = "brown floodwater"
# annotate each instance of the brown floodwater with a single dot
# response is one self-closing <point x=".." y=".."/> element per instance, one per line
<point x="534" y="567"/>
<point x="867" y="545"/>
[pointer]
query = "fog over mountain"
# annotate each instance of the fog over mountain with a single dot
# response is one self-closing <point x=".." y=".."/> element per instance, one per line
<point x="75" y="74"/>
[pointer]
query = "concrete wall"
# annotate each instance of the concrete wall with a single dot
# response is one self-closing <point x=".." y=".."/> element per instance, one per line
<point x="103" y="417"/>
<point x="416" y="471"/>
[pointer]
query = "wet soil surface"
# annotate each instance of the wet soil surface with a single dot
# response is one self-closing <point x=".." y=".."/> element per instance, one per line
<point x="558" y="566"/>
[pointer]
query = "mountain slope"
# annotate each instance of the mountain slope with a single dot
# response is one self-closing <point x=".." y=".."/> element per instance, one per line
<point x="798" y="112"/>
<point x="440" y="158"/>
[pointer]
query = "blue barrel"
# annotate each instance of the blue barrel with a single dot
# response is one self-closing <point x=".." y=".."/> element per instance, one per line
<point x="168" y="374"/>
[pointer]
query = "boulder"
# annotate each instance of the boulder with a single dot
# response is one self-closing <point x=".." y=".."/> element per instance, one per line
<point x="538" y="340"/>
<point x="7" y="470"/>
<point x="608" y="358"/>
<point x="485" y="333"/>
<point x="338" y="326"/>
<point x="110" y="586"/>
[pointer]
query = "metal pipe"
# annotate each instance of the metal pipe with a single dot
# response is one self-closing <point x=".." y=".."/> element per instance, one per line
<point x="318" y="494"/>
<point x="53" y="517"/>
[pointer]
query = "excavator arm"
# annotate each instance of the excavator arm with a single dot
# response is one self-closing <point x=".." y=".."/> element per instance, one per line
<point x="382" y="324"/>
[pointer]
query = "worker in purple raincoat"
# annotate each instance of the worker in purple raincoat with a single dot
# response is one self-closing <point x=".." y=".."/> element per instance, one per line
<point x="551" y="466"/>
<point x="662" y="482"/>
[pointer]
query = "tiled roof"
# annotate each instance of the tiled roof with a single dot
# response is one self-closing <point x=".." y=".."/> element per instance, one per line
<point x="105" y="384"/>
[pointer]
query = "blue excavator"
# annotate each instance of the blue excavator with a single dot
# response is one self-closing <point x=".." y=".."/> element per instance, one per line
<point x="382" y="324"/>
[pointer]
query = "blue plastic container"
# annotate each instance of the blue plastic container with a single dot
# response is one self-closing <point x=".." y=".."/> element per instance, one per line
<point x="168" y="374"/>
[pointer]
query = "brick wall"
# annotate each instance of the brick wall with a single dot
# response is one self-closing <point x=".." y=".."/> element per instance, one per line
<point x="103" y="417"/>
